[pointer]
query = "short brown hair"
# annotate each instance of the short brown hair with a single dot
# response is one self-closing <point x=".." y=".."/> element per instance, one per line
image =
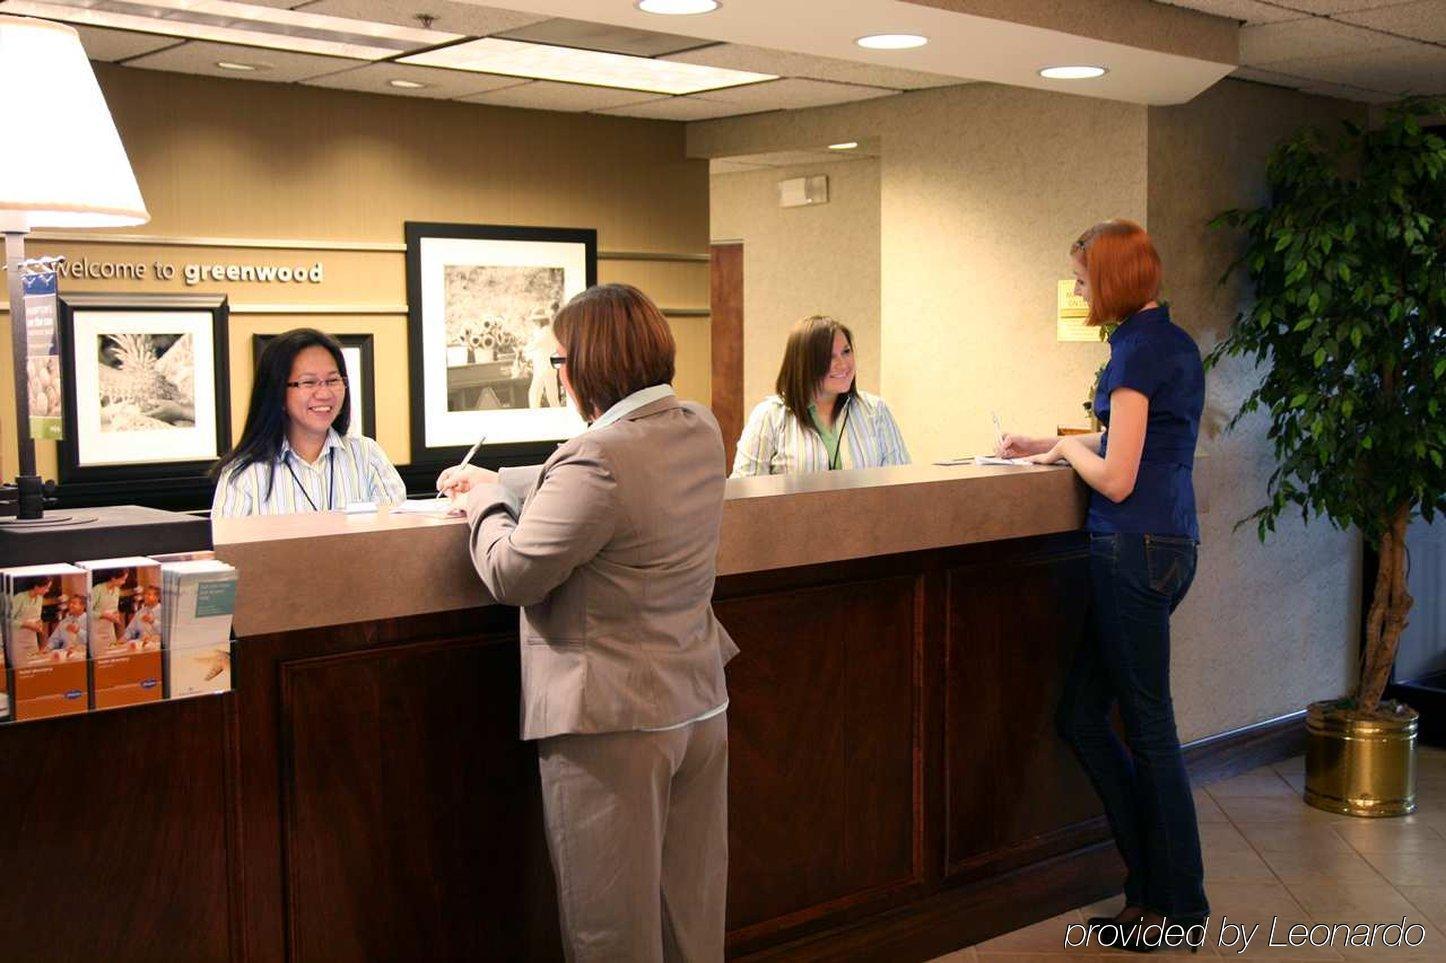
<point x="806" y="360"/>
<point x="617" y="342"/>
<point x="1123" y="268"/>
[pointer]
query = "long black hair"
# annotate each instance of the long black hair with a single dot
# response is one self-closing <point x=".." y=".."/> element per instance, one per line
<point x="266" y="416"/>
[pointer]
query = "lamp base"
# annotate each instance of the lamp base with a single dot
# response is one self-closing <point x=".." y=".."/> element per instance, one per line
<point x="27" y="496"/>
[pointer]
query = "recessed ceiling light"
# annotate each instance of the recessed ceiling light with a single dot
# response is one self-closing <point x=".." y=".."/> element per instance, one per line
<point x="892" y="41"/>
<point x="232" y="65"/>
<point x="1073" y="73"/>
<point x="541" y="61"/>
<point x="677" y="8"/>
<point x="406" y="84"/>
<point x="240" y="23"/>
<point x="846" y="145"/>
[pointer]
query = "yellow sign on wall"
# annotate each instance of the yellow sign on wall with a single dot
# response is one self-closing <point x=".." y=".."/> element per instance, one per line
<point x="1071" y="314"/>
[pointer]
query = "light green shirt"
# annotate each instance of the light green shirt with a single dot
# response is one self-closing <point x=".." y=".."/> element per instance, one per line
<point x="829" y="435"/>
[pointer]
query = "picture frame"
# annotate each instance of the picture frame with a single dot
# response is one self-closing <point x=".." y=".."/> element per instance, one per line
<point x="147" y="392"/>
<point x="480" y="299"/>
<point x="361" y="377"/>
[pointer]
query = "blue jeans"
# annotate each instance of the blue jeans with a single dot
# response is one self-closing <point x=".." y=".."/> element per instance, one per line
<point x="1136" y="582"/>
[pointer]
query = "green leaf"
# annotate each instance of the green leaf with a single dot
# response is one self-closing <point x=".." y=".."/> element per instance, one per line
<point x="1299" y="400"/>
<point x="1320" y="356"/>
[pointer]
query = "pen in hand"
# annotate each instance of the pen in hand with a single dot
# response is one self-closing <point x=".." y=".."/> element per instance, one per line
<point x="466" y="458"/>
<point x="998" y="434"/>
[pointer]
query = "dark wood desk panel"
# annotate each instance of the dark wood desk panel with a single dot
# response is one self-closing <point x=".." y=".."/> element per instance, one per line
<point x="410" y="805"/>
<point x="823" y="753"/>
<point x="1015" y="792"/>
<point x="117" y="835"/>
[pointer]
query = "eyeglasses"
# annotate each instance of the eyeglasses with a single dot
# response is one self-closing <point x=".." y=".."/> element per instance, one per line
<point x="558" y="360"/>
<point x="335" y="383"/>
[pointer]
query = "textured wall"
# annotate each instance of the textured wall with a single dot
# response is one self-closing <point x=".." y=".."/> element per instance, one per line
<point x="1272" y="626"/>
<point x="982" y="188"/>
<point x="803" y="260"/>
<point x="220" y="158"/>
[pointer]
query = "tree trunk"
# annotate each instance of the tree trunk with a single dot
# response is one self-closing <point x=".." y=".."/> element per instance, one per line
<point x="1390" y="604"/>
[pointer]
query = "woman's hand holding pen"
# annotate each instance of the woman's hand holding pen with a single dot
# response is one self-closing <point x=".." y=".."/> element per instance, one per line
<point x="460" y="479"/>
<point x="1021" y="446"/>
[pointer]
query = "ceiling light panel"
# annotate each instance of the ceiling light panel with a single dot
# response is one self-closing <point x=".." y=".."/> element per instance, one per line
<point x="609" y="38"/>
<point x="240" y="23"/>
<point x="546" y="62"/>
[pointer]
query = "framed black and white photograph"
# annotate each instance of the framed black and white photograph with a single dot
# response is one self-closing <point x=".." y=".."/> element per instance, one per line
<point x="480" y="302"/>
<point x="146" y="385"/>
<point x="361" y="378"/>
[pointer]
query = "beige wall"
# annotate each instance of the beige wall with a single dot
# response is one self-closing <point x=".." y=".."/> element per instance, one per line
<point x="803" y="260"/>
<point x="221" y="158"/>
<point x="1271" y="625"/>
<point x="982" y="188"/>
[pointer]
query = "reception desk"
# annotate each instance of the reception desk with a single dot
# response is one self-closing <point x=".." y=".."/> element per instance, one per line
<point x="896" y="787"/>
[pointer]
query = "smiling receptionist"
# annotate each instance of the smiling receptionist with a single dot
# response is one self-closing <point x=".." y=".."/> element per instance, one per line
<point x="294" y="454"/>
<point x="818" y="420"/>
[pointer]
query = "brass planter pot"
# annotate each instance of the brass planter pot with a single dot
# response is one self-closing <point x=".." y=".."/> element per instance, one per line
<point x="1360" y="767"/>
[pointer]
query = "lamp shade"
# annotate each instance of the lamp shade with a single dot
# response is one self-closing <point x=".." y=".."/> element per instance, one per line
<point x="62" y="163"/>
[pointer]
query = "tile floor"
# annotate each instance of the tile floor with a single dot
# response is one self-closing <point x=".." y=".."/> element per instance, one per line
<point x="1270" y="856"/>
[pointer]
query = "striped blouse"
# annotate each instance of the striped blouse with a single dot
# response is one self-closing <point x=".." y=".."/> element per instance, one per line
<point x="350" y="469"/>
<point x="774" y="443"/>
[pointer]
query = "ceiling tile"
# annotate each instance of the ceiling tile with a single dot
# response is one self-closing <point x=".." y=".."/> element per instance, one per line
<point x="795" y="158"/>
<point x="1297" y="39"/>
<point x="1417" y="68"/>
<point x="550" y="95"/>
<point x="725" y="165"/>
<point x="1342" y="92"/>
<point x="1261" y="76"/>
<point x="790" y="94"/>
<point x="681" y="108"/>
<point x="1247" y="11"/>
<point x="1424" y="20"/>
<point x="277" y="66"/>
<point x="786" y="64"/>
<point x="1331" y="7"/>
<point x="452" y="17"/>
<point x="440" y="84"/>
<point x="112" y="45"/>
<point x="602" y="36"/>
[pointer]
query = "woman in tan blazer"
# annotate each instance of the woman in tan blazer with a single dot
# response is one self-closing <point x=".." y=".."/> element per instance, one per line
<point x="611" y="555"/>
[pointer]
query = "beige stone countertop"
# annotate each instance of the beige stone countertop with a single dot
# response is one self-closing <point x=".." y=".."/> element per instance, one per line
<point x="310" y="570"/>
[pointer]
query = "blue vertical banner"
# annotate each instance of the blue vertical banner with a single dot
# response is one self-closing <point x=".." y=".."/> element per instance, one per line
<point x="42" y="361"/>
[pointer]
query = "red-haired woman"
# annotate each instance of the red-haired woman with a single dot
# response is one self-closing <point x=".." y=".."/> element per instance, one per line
<point x="1143" y="540"/>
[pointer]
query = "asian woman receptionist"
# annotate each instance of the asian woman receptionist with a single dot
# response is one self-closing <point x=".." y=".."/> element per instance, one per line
<point x="818" y="420"/>
<point x="1143" y="536"/>
<point x="295" y="454"/>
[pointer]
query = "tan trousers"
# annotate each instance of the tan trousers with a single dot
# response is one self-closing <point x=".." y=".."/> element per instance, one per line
<point x="637" y="826"/>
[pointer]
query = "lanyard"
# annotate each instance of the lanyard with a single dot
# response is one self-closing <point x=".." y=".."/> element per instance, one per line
<point x="330" y="480"/>
<point x="836" y="462"/>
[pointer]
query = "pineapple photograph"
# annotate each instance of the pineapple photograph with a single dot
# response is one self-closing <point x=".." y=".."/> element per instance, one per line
<point x="146" y="382"/>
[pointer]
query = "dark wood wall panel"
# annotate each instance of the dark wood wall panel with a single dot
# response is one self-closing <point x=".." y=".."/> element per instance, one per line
<point x="726" y="321"/>
<point x="822" y="751"/>
<point x="116" y="836"/>
<point x="406" y="786"/>
<point x="1010" y="780"/>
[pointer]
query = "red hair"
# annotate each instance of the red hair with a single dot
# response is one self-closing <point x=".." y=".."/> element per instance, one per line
<point x="1123" y="268"/>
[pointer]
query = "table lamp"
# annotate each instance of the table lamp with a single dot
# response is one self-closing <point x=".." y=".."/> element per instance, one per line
<point x="62" y="166"/>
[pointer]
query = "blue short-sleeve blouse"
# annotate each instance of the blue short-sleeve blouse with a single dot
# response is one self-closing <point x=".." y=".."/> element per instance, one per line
<point x="1155" y="357"/>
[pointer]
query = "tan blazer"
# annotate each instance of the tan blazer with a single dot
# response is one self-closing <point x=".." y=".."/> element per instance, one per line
<point x="612" y="560"/>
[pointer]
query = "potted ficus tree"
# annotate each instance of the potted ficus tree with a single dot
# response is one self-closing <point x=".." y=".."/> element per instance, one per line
<point x="1348" y="263"/>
